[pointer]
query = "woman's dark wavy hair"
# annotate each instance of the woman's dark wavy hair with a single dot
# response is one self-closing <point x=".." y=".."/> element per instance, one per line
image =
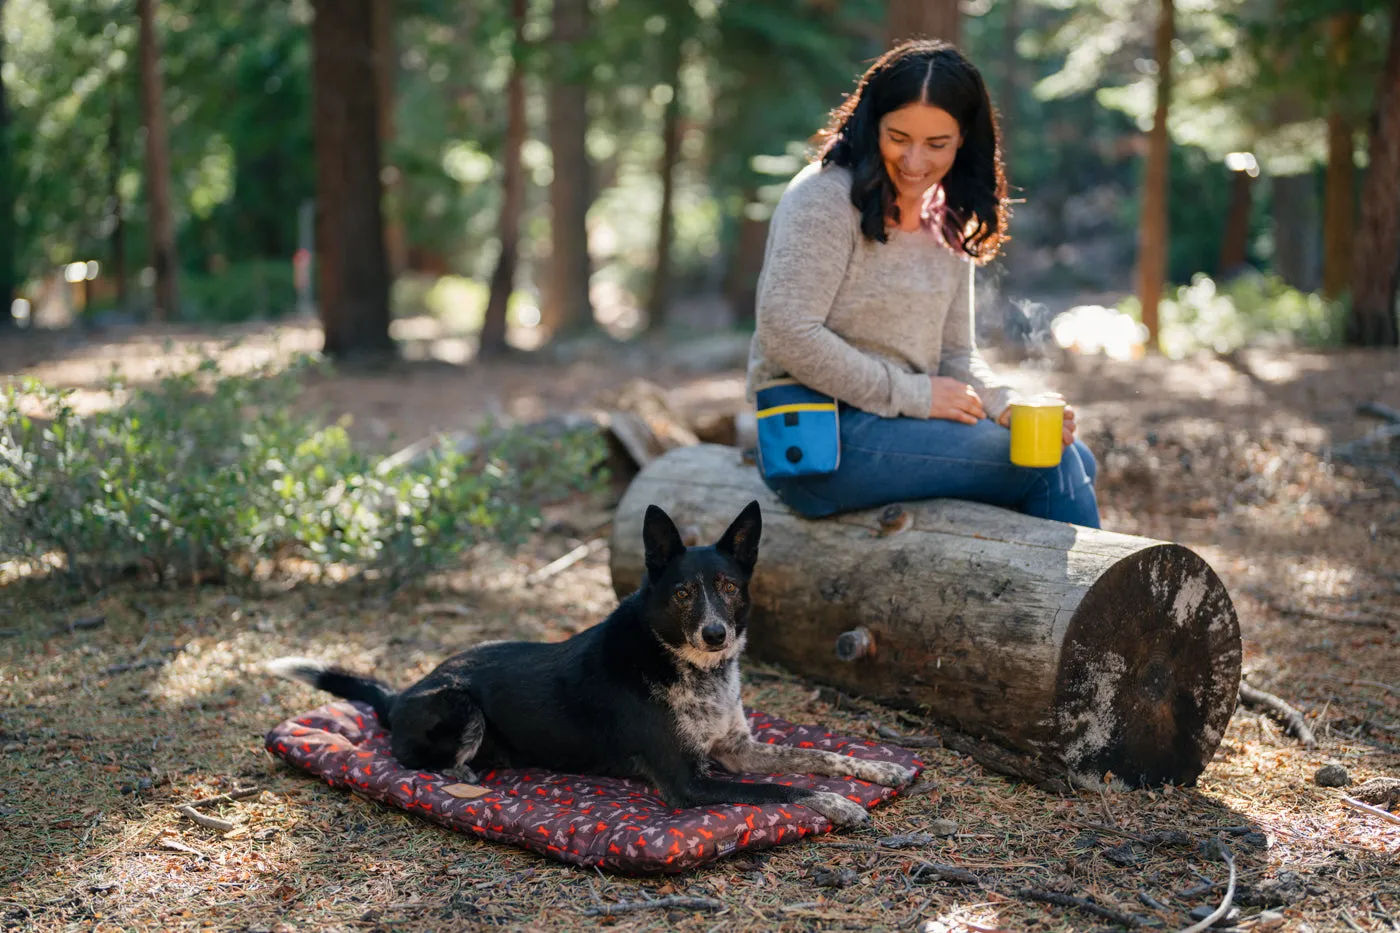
<point x="976" y="210"/>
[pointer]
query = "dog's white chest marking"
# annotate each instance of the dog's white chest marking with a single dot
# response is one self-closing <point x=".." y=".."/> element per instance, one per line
<point x="707" y="707"/>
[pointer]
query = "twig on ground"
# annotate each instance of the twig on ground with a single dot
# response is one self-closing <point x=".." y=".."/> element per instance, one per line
<point x="1386" y="914"/>
<point x="1255" y="698"/>
<point x="176" y="845"/>
<point x="909" y="741"/>
<point x="1279" y="606"/>
<point x="1350" y="922"/>
<point x="10" y="633"/>
<point x="661" y="903"/>
<point x="1374" y="811"/>
<point x="208" y="822"/>
<point x="1068" y="900"/>
<point x="443" y="609"/>
<point x="1225" y="902"/>
<point x="1150" y="901"/>
<point x="231" y="796"/>
<point x="134" y="666"/>
<point x="945" y="872"/>
<point x="1378" y="410"/>
<point x="76" y="625"/>
<point x="557" y="567"/>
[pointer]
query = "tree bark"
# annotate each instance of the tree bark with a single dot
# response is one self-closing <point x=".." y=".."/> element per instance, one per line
<point x="745" y="264"/>
<point x="1296" y="226"/>
<point x="1234" y="246"/>
<point x="493" y="326"/>
<point x="1339" y="200"/>
<point x="1082" y="651"/>
<point x="352" y="268"/>
<point x="9" y="273"/>
<point x="386" y="72"/>
<point x="658" y="303"/>
<point x="162" y="226"/>
<point x="568" y="306"/>
<point x="114" y="176"/>
<point x="1372" y="321"/>
<point x="1153" y="232"/>
<point x="923" y="19"/>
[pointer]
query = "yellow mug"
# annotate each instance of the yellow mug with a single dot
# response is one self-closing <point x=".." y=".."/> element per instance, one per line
<point x="1037" y="432"/>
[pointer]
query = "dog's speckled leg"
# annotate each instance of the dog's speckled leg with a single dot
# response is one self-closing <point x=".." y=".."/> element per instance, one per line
<point x="838" y="809"/>
<point x="740" y="752"/>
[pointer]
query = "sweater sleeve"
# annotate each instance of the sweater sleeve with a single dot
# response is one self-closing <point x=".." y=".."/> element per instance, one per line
<point x="960" y="359"/>
<point x="811" y="246"/>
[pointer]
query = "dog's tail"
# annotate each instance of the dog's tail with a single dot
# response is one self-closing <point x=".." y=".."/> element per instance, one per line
<point x="342" y="683"/>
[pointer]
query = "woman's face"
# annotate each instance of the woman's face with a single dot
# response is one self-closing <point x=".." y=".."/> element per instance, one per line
<point x="918" y="143"/>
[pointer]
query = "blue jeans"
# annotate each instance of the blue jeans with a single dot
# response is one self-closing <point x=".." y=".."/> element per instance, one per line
<point x="886" y="460"/>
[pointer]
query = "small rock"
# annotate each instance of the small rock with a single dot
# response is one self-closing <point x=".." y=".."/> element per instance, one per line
<point x="943" y="828"/>
<point x="1231" y="917"/>
<point x="13" y="747"/>
<point x="1332" y="775"/>
<point x="1267" y="920"/>
<point x="826" y="877"/>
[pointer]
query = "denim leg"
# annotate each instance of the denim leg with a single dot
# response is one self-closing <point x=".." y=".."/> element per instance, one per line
<point x="887" y="460"/>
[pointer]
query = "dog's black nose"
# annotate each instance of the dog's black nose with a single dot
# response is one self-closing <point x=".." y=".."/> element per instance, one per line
<point x="713" y="634"/>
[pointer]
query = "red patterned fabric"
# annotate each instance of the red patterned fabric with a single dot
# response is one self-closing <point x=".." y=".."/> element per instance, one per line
<point x="614" y="824"/>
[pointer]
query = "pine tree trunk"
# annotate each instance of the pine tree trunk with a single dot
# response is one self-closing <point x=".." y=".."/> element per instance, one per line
<point x="1372" y="320"/>
<point x="493" y="327"/>
<point x="923" y="19"/>
<point x="568" y="306"/>
<point x="1296" y="226"/>
<point x="353" y="275"/>
<point x="745" y="264"/>
<point x="114" y="176"/>
<point x="1339" y="201"/>
<point x="162" y="226"/>
<point x="386" y="71"/>
<point x="1234" y="245"/>
<point x="9" y="274"/>
<point x="659" y="301"/>
<point x="1152" y="229"/>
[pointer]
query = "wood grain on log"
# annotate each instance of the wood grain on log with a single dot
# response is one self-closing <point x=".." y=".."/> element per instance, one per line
<point x="1084" y="652"/>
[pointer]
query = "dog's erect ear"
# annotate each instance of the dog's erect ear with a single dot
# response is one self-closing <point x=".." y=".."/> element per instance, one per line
<point x="740" y="541"/>
<point x="660" y="540"/>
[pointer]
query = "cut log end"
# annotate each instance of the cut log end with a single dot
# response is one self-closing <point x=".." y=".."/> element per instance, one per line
<point x="1149" y="671"/>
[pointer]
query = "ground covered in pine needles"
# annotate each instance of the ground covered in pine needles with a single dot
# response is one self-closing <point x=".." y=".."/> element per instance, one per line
<point x="118" y="708"/>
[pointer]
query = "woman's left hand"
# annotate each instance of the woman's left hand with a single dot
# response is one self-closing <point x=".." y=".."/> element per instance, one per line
<point x="1071" y="426"/>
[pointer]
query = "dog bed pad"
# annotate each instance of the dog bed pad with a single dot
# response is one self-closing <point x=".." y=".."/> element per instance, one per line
<point x="615" y="824"/>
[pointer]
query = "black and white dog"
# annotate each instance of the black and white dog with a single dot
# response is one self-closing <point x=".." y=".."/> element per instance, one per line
<point x="652" y="692"/>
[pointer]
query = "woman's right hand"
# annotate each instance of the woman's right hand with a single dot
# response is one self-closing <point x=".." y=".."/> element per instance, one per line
<point x="955" y="401"/>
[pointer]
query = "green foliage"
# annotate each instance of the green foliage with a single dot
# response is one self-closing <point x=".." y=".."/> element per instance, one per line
<point x="256" y="289"/>
<point x="211" y="474"/>
<point x="1249" y="310"/>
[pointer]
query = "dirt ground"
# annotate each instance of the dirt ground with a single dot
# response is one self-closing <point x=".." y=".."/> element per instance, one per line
<point x="105" y="731"/>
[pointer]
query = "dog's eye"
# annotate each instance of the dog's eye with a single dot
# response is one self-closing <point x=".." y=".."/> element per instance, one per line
<point x="728" y="587"/>
<point x="682" y="593"/>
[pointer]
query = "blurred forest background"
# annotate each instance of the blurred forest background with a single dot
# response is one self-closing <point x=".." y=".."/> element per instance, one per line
<point x="512" y="171"/>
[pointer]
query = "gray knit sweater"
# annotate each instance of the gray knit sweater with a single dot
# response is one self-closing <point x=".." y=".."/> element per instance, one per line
<point x="863" y="321"/>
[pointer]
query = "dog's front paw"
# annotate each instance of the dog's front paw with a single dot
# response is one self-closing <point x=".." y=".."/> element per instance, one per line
<point x="882" y="772"/>
<point x="838" y="809"/>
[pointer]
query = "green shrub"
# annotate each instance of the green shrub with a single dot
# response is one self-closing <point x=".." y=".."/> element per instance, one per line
<point x="1250" y="310"/>
<point x="205" y="474"/>
<point x="257" y="289"/>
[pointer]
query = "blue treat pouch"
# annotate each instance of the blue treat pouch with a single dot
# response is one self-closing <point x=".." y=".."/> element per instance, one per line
<point x="799" y="432"/>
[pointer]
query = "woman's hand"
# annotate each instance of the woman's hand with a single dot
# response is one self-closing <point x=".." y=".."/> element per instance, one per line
<point x="955" y="401"/>
<point x="1066" y="437"/>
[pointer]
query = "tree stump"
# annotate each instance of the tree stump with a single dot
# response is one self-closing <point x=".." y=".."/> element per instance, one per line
<point x="1063" y="654"/>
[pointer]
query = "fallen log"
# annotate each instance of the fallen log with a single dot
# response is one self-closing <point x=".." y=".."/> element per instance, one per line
<point x="1082" y="653"/>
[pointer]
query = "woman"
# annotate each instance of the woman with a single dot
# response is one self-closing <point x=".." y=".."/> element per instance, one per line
<point x="866" y="296"/>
